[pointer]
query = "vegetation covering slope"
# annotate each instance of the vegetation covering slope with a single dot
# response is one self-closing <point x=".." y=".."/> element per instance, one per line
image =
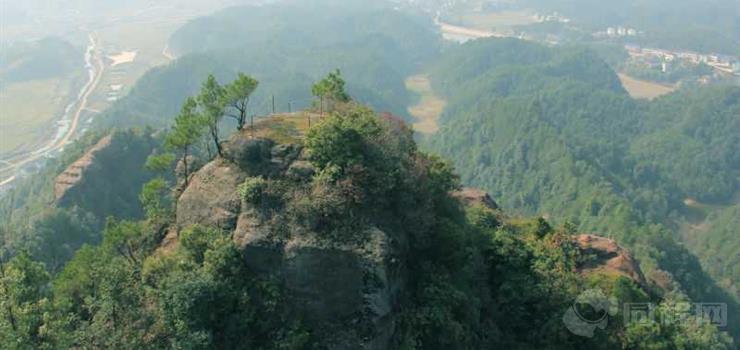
<point x="346" y="235"/>
<point x="51" y="229"/>
<point x="460" y="277"/>
<point x="563" y="143"/>
<point x="374" y="46"/>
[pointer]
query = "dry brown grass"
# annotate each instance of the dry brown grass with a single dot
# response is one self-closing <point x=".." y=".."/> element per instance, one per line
<point x="283" y="128"/>
<point x="643" y="89"/>
<point x="430" y="106"/>
<point x="500" y="20"/>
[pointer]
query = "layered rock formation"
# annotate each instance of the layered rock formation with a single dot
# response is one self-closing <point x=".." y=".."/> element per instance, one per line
<point x="106" y="180"/>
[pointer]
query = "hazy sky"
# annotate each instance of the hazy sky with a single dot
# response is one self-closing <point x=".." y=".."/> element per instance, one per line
<point x="33" y="19"/>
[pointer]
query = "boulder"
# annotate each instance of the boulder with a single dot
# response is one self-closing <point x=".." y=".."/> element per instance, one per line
<point x="212" y="199"/>
<point x="301" y="170"/>
<point x="250" y="154"/>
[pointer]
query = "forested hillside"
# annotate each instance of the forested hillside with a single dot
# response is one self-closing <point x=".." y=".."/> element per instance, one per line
<point x="51" y="215"/>
<point x="551" y="132"/>
<point x="375" y="48"/>
<point x="344" y="235"/>
<point x="181" y="222"/>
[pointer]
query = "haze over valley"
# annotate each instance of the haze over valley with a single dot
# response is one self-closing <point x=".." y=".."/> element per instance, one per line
<point x="400" y="174"/>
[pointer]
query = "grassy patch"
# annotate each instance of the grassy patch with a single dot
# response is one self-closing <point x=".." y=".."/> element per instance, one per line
<point x="284" y="128"/>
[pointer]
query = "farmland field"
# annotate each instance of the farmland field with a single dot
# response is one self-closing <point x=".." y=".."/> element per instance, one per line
<point x="643" y="89"/>
<point x="504" y="19"/>
<point x="429" y="107"/>
<point x="492" y="20"/>
<point x="30" y="122"/>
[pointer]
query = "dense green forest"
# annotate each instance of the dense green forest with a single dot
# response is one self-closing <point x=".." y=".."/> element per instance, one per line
<point x="334" y="229"/>
<point x="459" y="277"/>
<point x="51" y="229"/>
<point x="551" y="132"/>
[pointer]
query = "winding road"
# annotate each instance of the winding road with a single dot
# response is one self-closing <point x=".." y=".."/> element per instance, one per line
<point x="96" y="66"/>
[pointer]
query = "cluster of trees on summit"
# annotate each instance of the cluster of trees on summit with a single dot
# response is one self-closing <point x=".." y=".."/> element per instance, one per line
<point x="477" y="278"/>
<point x="549" y="132"/>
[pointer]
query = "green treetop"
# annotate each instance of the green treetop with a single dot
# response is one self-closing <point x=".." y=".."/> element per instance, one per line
<point x="236" y="98"/>
<point x="330" y="88"/>
<point x="211" y="100"/>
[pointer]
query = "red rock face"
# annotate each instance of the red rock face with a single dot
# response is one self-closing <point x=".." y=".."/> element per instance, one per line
<point x="610" y="257"/>
<point x="472" y="197"/>
<point x="74" y="173"/>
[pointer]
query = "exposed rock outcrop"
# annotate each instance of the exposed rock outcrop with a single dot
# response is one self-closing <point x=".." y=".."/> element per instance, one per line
<point x="71" y="176"/>
<point x="211" y="199"/>
<point x="473" y="196"/>
<point x="331" y="284"/>
<point x="102" y="181"/>
<point x="609" y="257"/>
<point x="348" y="292"/>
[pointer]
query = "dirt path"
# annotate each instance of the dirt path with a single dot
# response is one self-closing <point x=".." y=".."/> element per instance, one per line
<point x="430" y="106"/>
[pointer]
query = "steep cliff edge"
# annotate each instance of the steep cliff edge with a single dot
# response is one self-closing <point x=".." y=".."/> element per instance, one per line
<point x="345" y="263"/>
<point x="331" y="283"/>
<point x="606" y="256"/>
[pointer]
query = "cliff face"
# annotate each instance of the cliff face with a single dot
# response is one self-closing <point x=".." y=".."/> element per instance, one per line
<point x="350" y="288"/>
<point x="106" y="180"/>
<point x="346" y="291"/>
<point x="70" y="177"/>
<point x="608" y="257"/>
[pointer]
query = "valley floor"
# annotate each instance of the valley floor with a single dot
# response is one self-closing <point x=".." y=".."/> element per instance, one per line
<point x="429" y="107"/>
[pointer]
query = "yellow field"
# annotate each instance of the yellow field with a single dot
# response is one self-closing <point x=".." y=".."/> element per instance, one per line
<point x="430" y="106"/>
<point x="643" y="89"/>
<point x="28" y="109"/>
<point x="500" y="20"/>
